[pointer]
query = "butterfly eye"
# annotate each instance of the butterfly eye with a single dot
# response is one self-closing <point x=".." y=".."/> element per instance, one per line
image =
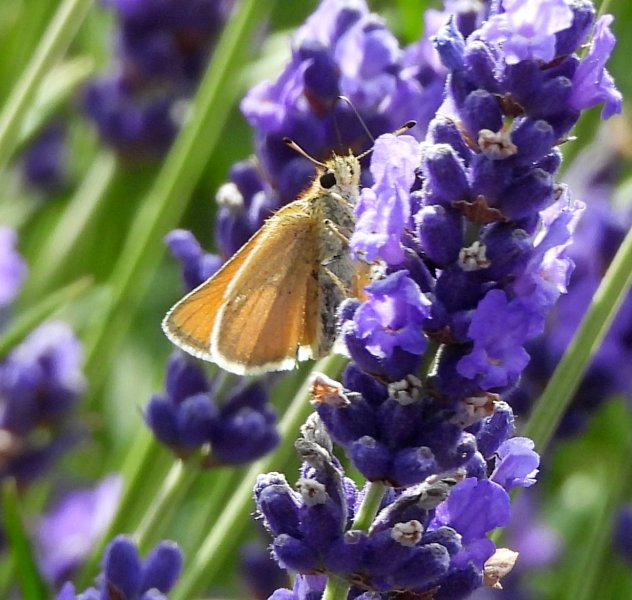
<point x="327" y="179"/>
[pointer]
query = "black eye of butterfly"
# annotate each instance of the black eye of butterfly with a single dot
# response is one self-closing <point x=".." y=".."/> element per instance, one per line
<point x="328" y="179"/>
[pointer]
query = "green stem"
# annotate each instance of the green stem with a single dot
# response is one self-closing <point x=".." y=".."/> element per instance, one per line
<point x="338" y="589"/>
<point x="168" y="198"/>
<point x="28" y="575"/>
<point x="559" y="392"/>
<point x="7" y="576"/>
<point x="370" y="505"/>
<point x="224" y="479"/>
<point x="225" y="535"/>
<point x="52" y="47"/>
<point x="177" y="482"/>
<point x="598" y="538"/>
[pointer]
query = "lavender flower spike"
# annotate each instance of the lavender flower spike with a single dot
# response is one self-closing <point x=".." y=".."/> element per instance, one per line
<point x="467" y="234"/>
<point x="40" y="382"/>
<point x="189" y="419"/>
<point x="126" y="577"/>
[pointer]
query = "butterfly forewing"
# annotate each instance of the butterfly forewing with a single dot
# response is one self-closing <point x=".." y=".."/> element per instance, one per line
<point x="276" y="288"/>
<point x="190" y="322"/>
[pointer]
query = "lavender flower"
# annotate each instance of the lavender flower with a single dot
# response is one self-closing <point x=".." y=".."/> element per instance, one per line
<point x="12" y="267"/>
<point x="162" y="48"/>
<point x="384" y="210"/>
<point x="188" y="418"/>
<point x="197" y="265"/>
<point x="433" y="533"/>
<point x="493" y="178"/>
<point x="498" y="331"/>
<point x="44" y="163"/>
<point x="469" y="232"/>
<point x="67" y="534"/>
<point x="385" y="333"/>
<point x="126" y="577"/>
<point x="40" y="383"/>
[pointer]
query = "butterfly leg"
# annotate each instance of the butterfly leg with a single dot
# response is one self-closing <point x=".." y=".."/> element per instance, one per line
<point x="336" y="281"/>
<point x="335" y="231"/>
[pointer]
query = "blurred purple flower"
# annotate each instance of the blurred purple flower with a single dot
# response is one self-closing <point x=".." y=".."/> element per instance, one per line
<point x="12" y="267"/>
<point x="189" y="419"/>
<point x="163" y="47"/>
<point x="67" y="534"/>
<point x="44" y="163"/>
<point x="260" y="573"/>
<point x="197" y="265"/>
<point x="40" y="382"/>
<point x="622" y="532"/>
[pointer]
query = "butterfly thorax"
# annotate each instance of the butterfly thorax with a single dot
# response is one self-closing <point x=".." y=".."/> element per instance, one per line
<point x="337" y="191"/>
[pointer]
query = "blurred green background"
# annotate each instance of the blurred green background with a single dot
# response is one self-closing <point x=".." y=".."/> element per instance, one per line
<point x="102" y="229"/>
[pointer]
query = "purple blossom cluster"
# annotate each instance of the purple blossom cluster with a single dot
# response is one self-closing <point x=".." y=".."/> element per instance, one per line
<point x="189" y="419"/>
<point x="468" y="234"/>
<point x="126" y="577"/>
<point x="482" y="232"/>
<point x="595" y="242"/>
<point x="424" y="538"/>
<point x="40" y="384"/>
<point x="622" y="532"/>
<point x="162" y="47"/>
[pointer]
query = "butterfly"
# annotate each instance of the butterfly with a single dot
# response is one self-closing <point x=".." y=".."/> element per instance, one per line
<point x="274" y="302"/>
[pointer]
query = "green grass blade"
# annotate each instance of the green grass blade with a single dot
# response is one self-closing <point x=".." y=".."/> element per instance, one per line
<point x="52" y="47"/>
<point x="29" y="578"/>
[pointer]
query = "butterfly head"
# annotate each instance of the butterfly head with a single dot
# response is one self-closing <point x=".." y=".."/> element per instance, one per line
<point x="341" y="173"/>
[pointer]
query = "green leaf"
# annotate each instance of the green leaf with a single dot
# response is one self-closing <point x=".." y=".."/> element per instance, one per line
<point x="52" y="47"/>
<point x="29" y="578"/>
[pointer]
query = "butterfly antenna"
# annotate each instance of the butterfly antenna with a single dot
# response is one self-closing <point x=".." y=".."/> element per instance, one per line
<point x="358" y="116"/>
<point x="292" y="144"/>
<point x="403" y="129"/>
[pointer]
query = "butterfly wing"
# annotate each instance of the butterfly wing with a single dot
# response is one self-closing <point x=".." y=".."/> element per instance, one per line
<point x="190" y="322"/>
<point x="270" y="316"/>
